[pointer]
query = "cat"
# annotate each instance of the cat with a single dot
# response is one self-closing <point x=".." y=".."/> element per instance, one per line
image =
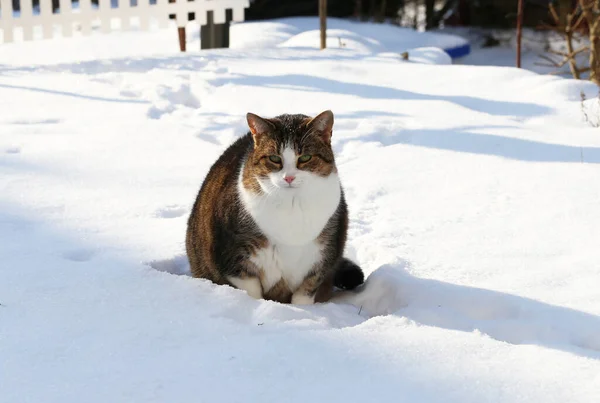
<point x="271" y="218"/>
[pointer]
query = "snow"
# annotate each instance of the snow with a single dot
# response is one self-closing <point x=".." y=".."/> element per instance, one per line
<point x="303" y="32"/>
<point x="474" y="211"/>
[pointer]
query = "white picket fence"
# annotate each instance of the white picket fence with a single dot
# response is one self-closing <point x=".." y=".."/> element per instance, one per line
<point x="85" y="15"/>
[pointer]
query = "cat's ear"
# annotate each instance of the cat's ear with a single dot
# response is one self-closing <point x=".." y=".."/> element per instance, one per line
<point x="258" y="126"/>
<point x="322" y="124"/>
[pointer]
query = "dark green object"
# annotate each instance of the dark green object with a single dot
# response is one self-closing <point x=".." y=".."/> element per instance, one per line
<point x="213" y="36"/>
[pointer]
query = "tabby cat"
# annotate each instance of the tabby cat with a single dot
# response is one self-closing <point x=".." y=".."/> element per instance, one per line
<point x="270" y="217"/>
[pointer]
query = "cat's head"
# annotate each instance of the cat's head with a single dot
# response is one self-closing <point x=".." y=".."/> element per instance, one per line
<point x="290" y="152"/>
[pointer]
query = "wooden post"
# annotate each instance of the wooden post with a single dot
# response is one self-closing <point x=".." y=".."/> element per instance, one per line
<point x="323" y="21"/>
<point x="182" y="41"/>
<point x="180" y="32"/>
<point x="519" y="31"/>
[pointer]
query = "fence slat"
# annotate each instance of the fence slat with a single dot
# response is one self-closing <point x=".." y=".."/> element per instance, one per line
<point x="104" y="12"/>
<point x="238" y="14"/>
<point x="219" y="14"/>
<point x="85" y="16"/>
<point x="6" y="21"/>
<point x="45" y="18"/>
<point x="125" y="5"/>
<point x="66" y="13"/>
<point x="162" y="11"/>
<point x="201" y="10"/>
<point x="143" y="12"/>
<point x="181" y="16"/>
<point x="26" y="19"/>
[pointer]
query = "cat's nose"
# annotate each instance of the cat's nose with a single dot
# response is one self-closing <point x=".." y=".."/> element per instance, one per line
<point x="289" y="179"/>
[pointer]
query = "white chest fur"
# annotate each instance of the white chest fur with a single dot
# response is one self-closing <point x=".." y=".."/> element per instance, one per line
<point x="292" y="220"/>
<point x="290" y="262"/>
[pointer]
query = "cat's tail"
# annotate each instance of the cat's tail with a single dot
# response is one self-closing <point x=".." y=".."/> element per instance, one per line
<point x="348" y="275"/>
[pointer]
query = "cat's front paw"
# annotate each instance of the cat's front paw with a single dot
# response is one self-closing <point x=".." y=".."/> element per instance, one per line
<point x="249" y="284"/>
<point x="300" y="298"/>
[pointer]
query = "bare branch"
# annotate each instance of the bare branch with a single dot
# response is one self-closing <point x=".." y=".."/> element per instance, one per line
<point x="554" y="63"/>
<point x="578" y="22"/>
<point x="557" y="52"/>
<point x="580" y="50"/>
<point x="554" y="14"/>
<point x="559" y="73"/>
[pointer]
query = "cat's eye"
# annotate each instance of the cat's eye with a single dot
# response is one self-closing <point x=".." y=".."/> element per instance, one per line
<point x="275" y="158"/>
<point x="304" y="158"/>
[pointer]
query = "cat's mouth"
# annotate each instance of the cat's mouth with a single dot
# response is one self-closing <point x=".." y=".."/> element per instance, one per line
<point x="287" y="186"/>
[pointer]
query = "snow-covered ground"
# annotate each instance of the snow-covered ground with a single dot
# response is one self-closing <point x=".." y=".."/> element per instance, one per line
<point x="358" y="36"/>
<point x="474" y="205"/>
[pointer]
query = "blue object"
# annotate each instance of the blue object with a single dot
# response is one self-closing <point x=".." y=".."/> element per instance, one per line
<point x="458" y="51"/>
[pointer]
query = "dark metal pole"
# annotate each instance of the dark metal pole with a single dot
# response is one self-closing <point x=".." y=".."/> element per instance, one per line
<point x="519" y="31"/>
<point x="323" y="22"/>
